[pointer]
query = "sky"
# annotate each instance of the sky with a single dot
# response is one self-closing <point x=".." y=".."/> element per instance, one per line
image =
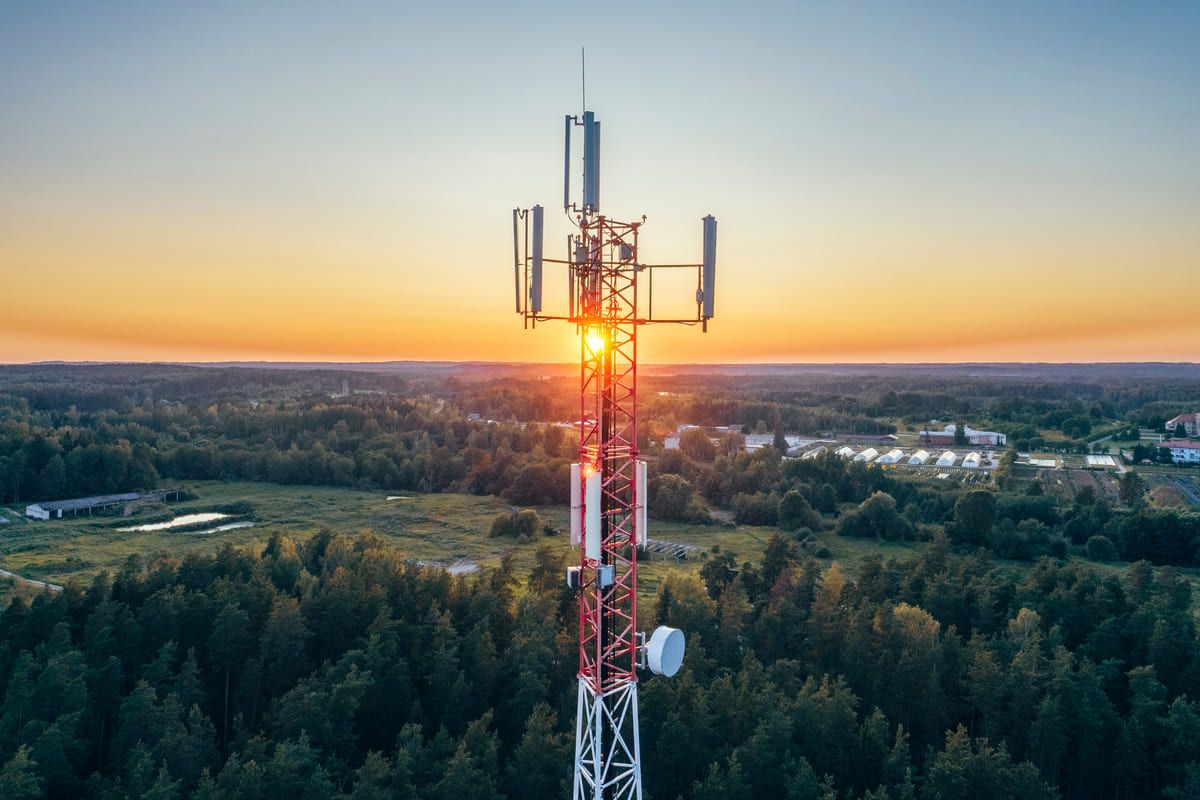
<point x="334" y="181"/>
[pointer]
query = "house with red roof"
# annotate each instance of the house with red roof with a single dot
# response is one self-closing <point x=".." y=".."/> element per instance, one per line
<point x="1190" y="423"/>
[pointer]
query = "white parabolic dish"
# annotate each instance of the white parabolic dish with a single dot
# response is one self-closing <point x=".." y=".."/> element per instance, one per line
<point x="664" y="651"/>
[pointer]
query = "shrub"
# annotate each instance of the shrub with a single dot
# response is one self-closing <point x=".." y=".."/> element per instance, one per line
<point x="759" y="508"/>
<point x="1101" y="548"/>
<point x="876" y="516"/>
<point x="795" y="512"/>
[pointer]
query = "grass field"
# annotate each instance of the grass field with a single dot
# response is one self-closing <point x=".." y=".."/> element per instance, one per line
<point x="443" y="528"/>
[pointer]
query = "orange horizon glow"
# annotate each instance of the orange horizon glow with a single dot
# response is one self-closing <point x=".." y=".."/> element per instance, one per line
<point x="908" y="186"/>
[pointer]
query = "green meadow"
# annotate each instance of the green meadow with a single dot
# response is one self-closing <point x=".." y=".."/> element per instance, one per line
<point x="441" y="528"/>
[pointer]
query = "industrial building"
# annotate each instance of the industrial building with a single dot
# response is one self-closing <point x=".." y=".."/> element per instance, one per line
<point x="1190" y="423"/>
<point x="947" y="459"/>
<point x="971" y="461"/>
<point x="977" y="438"/>
<point x="1182" y="451"/>
<point x="918" y="458"/>
<point x="868" y="455"/>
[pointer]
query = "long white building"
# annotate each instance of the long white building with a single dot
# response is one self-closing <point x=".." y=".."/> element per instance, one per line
<point x="947" y="459"/>
<point x="918" y="458"/>
<point x="977" y="438"/>
<point x="1183" y="451"/>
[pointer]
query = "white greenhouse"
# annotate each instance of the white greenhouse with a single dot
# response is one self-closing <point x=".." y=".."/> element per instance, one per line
<point x="892" y="457"/>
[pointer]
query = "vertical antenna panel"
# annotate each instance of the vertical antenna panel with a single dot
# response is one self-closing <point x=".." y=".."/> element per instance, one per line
<point x="576" y="505"/>
<point x="570" y="281"/>
<point x="516" y="262"/>
<point x="596" y="167"/>
<point x="567" y="161"/>
<point x="640" y="533"/>
<point x="710" y="265"/>
<point x="591" y="161"/>
<point x="536" y="289"/>
<point x="591" y="526"/>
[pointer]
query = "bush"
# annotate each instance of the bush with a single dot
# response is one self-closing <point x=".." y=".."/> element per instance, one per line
<point x="525" y="524"/>
<point x="876" y="516"/>
<point x="1101" y="548"/>
<point x="795" y="512"/>
<point x="502" y="525"/>
<point x="755" y="509"/>
<point x="528" y="523"/>
<point x="697" y="445"/>
<point x="672" y="498"/>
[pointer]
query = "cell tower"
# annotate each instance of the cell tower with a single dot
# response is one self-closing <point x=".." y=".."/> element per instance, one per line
<point x="609" y="296"/>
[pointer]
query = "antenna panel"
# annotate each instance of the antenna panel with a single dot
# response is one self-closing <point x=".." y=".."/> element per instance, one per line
<point x="639" y="518"/>
<point x="516" y="261"/>
<point x="710" y="265"/>
<point x="591" y="527"/>
<point x="535" y="289"/>
<point x="567" y="124"/>
<point x="591" y="161"/>
<point x="576" y="505"/>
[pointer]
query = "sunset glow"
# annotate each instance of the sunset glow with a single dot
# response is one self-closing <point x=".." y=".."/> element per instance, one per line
<point x="202" y="185"/>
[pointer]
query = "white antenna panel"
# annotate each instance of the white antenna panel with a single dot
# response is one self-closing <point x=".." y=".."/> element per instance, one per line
<point x="639" y="516"/>
<point x="576" y="505"/>
<point x="591" y="527"/>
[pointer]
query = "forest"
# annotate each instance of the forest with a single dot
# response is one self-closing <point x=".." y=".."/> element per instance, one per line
<point x="334" y="668"/>
<point x="1037" y="646"/>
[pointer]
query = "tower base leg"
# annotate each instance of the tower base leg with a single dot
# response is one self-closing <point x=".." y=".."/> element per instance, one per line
<point x="608" y="763"/>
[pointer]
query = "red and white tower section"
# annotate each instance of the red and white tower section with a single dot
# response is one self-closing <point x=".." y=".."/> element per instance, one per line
<point x="608" y="297"/>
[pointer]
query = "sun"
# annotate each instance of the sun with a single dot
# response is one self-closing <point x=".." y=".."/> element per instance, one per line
<point x="595" y="341"/>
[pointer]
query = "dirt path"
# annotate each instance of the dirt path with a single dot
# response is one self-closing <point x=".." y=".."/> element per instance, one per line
<point x="54" y="587"/>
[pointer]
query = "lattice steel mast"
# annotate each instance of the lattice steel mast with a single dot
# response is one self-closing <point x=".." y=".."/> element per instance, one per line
<point x="608" y="512"/>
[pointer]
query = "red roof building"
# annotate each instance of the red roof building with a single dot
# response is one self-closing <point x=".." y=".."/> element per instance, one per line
<point x="1190" y="423"/>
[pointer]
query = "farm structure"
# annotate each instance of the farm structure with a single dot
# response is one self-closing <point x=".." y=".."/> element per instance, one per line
<point x="1094" y="461"/>
<point x="977" y="438"/>
<point x="947" y="459"/>
<point x="54" y="509"/>
<point x="893" y="456"/>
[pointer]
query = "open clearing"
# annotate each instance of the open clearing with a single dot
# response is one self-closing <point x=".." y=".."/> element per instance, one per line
<point x="446" y="529"/>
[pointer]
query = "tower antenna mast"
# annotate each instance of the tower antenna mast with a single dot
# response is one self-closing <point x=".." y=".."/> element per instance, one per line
<point x="609" y="297"/>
